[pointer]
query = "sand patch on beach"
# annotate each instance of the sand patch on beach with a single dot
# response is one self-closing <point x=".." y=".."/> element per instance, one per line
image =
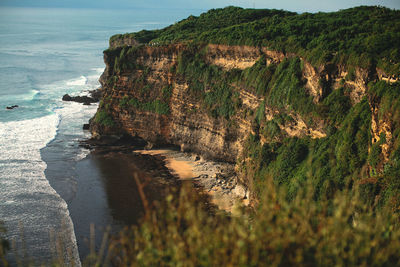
<point x="218" y="179"/>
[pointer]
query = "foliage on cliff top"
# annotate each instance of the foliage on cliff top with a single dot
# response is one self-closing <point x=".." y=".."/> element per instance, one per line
<point x="363" y="36"/>
<point x="189" y="28"/>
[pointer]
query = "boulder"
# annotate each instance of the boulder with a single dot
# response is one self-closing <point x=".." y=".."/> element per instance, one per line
<point x="86" y="100"/>
<point x="66" y="97"/>
<point x="12" y="107"/>
<point x="240" y="191"/>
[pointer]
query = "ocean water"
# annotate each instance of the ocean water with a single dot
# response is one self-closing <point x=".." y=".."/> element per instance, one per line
<point x="44" y="54"/>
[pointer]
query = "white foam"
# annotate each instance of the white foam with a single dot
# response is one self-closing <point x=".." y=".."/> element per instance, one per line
<point x="98" y="70"/>
<point x="73" y="116"/>
<point x="25" y="194"/>
<point x="25" y="97"/>
<point x="31" y="94"/>
<point x="77" y="82"/>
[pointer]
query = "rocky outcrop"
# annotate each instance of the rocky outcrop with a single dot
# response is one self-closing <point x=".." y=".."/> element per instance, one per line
<point x="385" y="77"/>
<point x="120" y="40"/>
<point x="232" y="57"/>
<point x="94" y="97"/>
<point x="381" y="132"/>
<point x="86" y="100"/>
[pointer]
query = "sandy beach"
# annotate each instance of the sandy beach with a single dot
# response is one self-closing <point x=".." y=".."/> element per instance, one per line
<point x="218" y="179"/>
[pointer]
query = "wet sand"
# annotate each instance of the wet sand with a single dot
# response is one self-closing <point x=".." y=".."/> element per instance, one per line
<point x="105" y="191"/>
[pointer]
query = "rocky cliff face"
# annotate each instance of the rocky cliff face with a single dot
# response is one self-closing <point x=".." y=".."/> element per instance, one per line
<point x="146" y="94"/>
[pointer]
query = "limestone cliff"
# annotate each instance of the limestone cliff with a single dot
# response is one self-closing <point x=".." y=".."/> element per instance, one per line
<point x="152" y="92"/>
<point x="187" y="123"/>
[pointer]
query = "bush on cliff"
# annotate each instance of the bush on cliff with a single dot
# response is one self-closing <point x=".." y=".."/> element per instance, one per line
<point x="104" y="118"/>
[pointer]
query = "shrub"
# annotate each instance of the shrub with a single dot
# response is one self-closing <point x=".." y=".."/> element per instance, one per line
<point x="104" y="118"/>
<point x="123" y="103"/>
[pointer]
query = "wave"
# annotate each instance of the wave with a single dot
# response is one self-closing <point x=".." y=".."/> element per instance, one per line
<point x="25" y="194"/>
<point x="77" y="82"/>
<point x="73" y="116"/>
<point x="28" y="96"/>
<point x="98" y="70"/>
<point x="31" y="95"/>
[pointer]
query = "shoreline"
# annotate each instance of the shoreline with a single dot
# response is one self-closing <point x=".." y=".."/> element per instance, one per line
<point x="216" y="179"/>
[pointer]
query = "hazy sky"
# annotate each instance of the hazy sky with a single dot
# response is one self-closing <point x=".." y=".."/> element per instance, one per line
<point x="292" y="5"/>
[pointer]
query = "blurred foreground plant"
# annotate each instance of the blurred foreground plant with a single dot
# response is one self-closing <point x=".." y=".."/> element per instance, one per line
<point x="183" y="231"/>
<point x="4" y="245"/>
<point x="340" y="231"/>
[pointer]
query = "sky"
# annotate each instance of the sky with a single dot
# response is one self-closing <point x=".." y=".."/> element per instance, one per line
<point x="292" y="5"/>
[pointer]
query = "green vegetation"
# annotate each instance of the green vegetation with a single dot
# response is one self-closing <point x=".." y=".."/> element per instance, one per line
<point x="258" y="77"/>
<point x="335" y="107"/>
<point x="363" y="36"/>
<point x="288" y="90"/>
<point x="155" y="106"/>
<point x="211" y="84"/>
<point x="104" y="118"/>
<point x="330" y="163"/>
<point x="338" y="161"/>
<point x="192" y="27"/>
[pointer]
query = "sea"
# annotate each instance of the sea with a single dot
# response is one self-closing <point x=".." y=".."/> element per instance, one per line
<point x="44" y="54"/>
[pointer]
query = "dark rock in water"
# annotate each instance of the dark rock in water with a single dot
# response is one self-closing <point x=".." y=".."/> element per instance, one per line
<point x="86" y="126"/>
<point x="12" y="107"/>
<point x="121" y="143"/>
<point x="86" y="100"/>
<point x="96" y="94"/>
<point x="66" y="97"/>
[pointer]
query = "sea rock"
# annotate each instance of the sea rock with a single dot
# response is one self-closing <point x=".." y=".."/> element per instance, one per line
<point x="96" y="94"/>
<point x="86" y="100"/>
<point x="12" y="107"/>
<point x="86" y="126"/>
<point x="66" y="97"/>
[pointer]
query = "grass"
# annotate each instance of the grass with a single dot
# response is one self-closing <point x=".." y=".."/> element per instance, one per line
<point x="157" y="106"/>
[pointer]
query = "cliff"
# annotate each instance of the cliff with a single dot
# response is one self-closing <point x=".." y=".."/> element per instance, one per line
<point x="173" y="114"/>
<point x="274" y="113"/>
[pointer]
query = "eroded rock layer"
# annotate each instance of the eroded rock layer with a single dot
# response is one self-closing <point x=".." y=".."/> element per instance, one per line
<point x="164" y="95"/>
